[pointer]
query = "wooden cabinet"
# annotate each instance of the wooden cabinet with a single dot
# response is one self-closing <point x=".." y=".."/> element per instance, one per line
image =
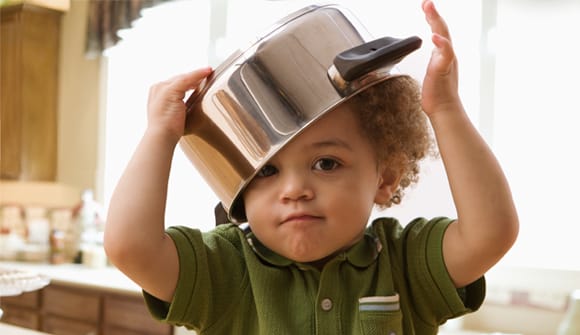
<point x="66" y="310"/>
<point x="22" y="310"/>
<point x="129" y="315"/>
<point x="29" y="54"/>
<point x="64" y="326"/>
<point x="70" y="311"/>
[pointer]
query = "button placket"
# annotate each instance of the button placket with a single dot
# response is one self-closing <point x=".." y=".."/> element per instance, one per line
<point x="328" y="309"/>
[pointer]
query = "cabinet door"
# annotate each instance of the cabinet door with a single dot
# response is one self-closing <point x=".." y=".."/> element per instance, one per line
<point x="19" y="316"/>
<point x="71" y="303"/>
<point x="129" y="315"/>
<point x="112" y="330"/>
<point x="27" y="299"/>
<point x="62" y="326"/>
<point x="21" y="310"/>
<point x="28" y="94"/>
<point x="10" y="102"/>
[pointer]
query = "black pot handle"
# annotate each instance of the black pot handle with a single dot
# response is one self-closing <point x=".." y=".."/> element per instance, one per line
<point x="364" y="58"/>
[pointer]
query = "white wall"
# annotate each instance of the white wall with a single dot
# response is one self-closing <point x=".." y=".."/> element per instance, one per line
<point x="79" y="103"/>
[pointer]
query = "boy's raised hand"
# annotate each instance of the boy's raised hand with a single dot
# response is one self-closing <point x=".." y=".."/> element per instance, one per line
<point x="166" y="108"/>
<point x="440" y="86"/>
<point x="135" y="239"/>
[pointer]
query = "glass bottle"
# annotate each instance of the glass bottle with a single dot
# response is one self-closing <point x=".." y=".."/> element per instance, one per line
<point x="82" y="232"/>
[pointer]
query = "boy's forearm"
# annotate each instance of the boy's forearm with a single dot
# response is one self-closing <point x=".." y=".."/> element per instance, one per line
<point x="482" y="197"/>
<point x="475" y="176"/>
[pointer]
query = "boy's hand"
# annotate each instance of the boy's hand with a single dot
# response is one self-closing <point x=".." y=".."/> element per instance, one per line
<point x="166" y="108"/>
<point x="440" y="86"/>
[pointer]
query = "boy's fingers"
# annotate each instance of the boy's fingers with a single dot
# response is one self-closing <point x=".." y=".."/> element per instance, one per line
<point x="443" y="45"/>
<point x="445" y="51"/>
<point x="190" y="80"/>
<point x="435" y="20"/>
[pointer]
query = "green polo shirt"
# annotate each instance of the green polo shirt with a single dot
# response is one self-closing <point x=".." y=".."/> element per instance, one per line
<point x="393" y="281"/>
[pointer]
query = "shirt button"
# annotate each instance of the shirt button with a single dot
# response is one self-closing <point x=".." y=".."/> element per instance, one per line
<point x="326" y="304"/>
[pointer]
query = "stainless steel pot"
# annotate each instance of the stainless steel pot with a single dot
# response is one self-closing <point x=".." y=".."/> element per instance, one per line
<point x="262" y="96"/>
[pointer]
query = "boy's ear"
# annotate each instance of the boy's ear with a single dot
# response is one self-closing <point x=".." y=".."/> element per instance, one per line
<point x="388" y="184"/>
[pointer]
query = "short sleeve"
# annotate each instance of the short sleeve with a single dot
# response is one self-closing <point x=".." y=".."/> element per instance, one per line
<point x="211" y="274"/>
<point x="435" y="296"/>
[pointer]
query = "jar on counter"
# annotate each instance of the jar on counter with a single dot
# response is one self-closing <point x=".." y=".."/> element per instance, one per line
<point x="57" y="247"/>
<point x="12" y="231"/>
<point x="12" y="219"/>
<point x="10" y="244"/>
<point x="37" y="224"/>
<point x="94" y="256"/>
<point x="61" y="224"/>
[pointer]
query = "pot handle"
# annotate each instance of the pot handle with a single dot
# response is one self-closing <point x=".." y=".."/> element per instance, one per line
<point x="364" y="58"/>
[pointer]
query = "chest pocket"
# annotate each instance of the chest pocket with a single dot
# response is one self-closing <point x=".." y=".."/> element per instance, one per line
<point x="380" y="315"/>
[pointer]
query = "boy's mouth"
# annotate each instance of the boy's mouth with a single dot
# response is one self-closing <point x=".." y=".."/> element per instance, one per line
<point x="301" y="218"/>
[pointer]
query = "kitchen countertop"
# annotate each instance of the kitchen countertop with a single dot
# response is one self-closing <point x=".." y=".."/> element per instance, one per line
<point x="107" y="278"/>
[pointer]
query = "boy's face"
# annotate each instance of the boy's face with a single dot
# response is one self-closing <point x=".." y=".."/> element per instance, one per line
<point x="314" y="197"/>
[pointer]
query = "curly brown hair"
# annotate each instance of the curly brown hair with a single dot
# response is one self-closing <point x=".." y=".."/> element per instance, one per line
<point x="390" y="114"/>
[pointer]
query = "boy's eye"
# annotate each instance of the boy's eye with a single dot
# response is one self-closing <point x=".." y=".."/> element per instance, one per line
<point x="267" y="171"/>
<point x="326" y="164"/>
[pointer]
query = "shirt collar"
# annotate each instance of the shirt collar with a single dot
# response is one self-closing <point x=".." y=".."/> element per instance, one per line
<point x="361" y="255"/>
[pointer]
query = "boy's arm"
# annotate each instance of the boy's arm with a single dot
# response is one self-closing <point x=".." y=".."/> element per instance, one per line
<point x="487" y="223"/>
<point x="135" y="239"/>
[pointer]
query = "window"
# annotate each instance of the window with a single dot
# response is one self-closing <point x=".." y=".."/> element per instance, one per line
<point x="535" y="125"/>
<point x="518" y="66"/>
<point x="155" y="49"/>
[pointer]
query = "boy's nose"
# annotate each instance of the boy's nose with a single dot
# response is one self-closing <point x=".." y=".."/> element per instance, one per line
<point x="295" y="187"/>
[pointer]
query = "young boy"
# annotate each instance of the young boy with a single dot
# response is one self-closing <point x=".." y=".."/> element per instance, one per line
<point x="308" y="263"/>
